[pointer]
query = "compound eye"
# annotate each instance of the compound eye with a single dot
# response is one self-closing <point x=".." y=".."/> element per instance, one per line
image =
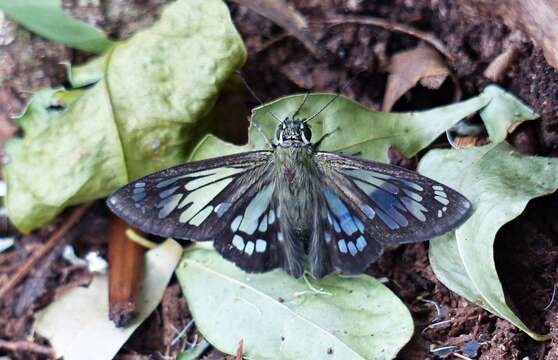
<point x="306" y="133"/>
<point x="278" y="133"/>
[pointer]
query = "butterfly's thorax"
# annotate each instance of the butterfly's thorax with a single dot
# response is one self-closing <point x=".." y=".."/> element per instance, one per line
<point x="296" y="182"/>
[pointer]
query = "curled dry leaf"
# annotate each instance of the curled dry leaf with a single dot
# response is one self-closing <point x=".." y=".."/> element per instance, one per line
<point x="288" y="18"/>
<point x="77" y="325"/>
<point x="407" y="68"/>
<point x="537" y="18"/>
<point x="497" y="67"/>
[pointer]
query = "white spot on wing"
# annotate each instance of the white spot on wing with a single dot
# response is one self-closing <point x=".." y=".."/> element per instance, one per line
<point x="261" y="245"/>
<point x="236" y="223"/>
<point x="441" y="200"/>
<point x="271" y="218"/>
<point x="249" y="249"/>
<point x="238" y="242"/>
<point x="263" y="224"/>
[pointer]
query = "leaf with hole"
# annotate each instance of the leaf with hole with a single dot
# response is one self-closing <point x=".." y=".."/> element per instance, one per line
<point x="144" y="114"/>
<point x="500" y="182"/>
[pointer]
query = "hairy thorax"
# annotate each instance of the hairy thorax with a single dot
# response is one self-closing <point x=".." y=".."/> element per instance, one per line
<point x="296" y="183"/>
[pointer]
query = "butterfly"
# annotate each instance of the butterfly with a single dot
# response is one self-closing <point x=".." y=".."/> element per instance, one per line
<point x="293" y="205"/>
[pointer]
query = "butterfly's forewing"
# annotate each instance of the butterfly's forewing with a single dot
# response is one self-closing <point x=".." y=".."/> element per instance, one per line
<point x="373" y="204"/>
<point x="194" y="201"/>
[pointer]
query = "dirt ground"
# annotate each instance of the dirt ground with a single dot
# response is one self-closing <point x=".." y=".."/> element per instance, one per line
<point x="526" y="249"/>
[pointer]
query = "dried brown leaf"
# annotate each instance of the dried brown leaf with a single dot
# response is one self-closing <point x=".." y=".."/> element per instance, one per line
<point x="288" y="18"/>
<point x="537" y="18"/>
<point x="407" y="68"/>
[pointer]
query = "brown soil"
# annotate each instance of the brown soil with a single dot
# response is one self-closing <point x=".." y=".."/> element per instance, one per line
<point x="526" y="249"/>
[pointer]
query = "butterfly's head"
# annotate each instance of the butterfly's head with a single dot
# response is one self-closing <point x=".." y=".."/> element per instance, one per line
<point x="293" y="132"/>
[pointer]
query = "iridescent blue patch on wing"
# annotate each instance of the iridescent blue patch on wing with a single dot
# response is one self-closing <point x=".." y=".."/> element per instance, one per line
<point x="168" y="205"/>
<point x="139" y="197"/>
<point x="168" y="192"/>
<point x="170" y="181"/>
<point x="352" y="248"/>
<point x="342" y="246"/>
<point x="348" y="224"/>
<point x="222" y="208"/>
<point x="390" y="205"/>
<point x="361" y="243"/>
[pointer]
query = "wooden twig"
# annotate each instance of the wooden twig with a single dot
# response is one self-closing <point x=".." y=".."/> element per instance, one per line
<point x="21" y="346"/>
<point x="125" y="273"/>
<point x="53" y="240"/>
<point x="391" y="26"/>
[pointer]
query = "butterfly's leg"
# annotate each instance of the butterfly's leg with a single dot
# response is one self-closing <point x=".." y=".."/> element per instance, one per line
<point x="317" y="144"/>
<point x="253" y="123"/>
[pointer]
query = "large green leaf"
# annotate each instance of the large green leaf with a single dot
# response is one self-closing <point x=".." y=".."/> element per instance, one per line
<point x="500" y="182"/>
<point x="279" y="317"/>
<point x="142" y="116"/>
<point x="357" y="129"/>
<point x="46" y="18"/>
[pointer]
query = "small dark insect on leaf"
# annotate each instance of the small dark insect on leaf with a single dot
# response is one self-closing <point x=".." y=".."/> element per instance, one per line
<point x="292" y="206"/>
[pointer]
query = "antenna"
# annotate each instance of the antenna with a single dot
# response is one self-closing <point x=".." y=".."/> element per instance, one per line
<point x="301" y="105"/>
<point x="347" y="83"/>
<point x="253" y="123"/>
<point x="254" y="94"/>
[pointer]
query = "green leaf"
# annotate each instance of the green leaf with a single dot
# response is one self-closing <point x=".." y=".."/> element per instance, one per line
<point x="500" y="182"/>
<point x="503" y="113"/>
<point x="46" y="18"/>
<point x="355" y="128"/>
<point x="145" y="114"/>
<point x="279" y="317"/>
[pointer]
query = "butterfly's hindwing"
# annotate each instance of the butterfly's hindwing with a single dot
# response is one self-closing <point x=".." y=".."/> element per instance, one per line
<point x="194" y="201"/>
<point x="395" y="205"/>
<point x="350" y="247"/>
<point x="251" y="239"/>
